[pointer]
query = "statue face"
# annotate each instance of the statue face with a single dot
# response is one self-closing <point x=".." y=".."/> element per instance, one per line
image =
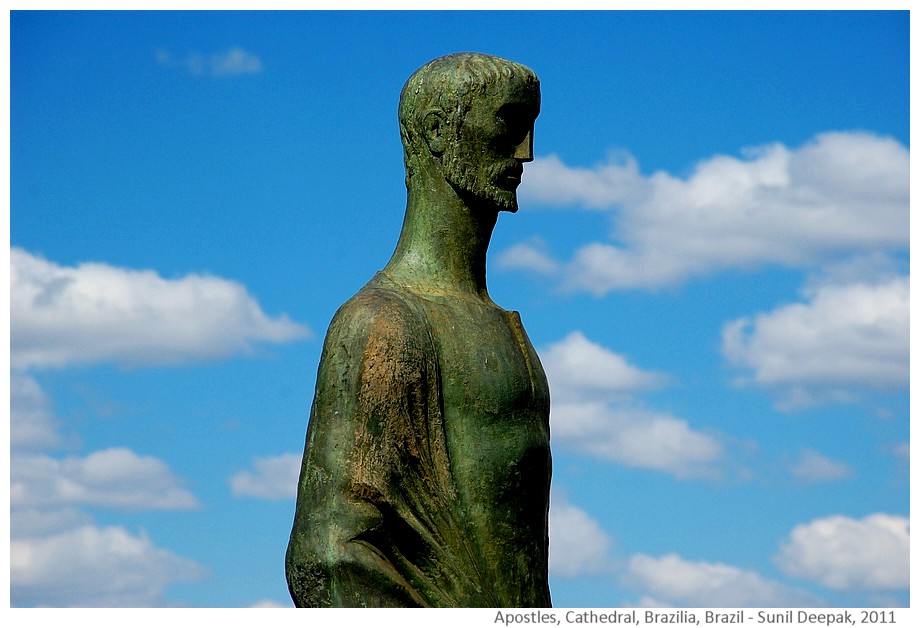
<point x="485" y="160"/>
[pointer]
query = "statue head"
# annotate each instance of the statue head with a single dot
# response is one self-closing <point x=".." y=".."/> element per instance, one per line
<point x="471" y="116"/>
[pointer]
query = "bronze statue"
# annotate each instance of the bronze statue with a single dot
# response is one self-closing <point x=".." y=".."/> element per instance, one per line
<point x="426" y="472"/>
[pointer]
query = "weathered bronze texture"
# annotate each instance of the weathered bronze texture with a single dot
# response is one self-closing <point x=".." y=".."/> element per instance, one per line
<point x="426" y="471"/>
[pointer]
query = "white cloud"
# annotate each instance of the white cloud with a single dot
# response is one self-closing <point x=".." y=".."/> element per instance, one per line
<point x="813" y="467"/>
<point x="58" y="556"/>
<point x="530" y="257"/>
<point x="672" y="581"/>
<point x="32" y="424"/>
<point x="873" y="267"/>
<point x="577" y="543"/>
<point x="42" y="522"/>
<point x="840" y="195"/>
<point x="114" y="478"/>
<point x="234" y="61"/>
<point x="593" y="412"/>
<point x="550" y="181"/>
<point x="274" y="477"/>
<point x="580" y="369"/>
<point x="89" y="566"/>
<point x="869" y="554"/>
<point x="637" y="438"/>
<point x="95" y="312"/>
<point x="269" y="604"/>
<point x="846" y="338"/>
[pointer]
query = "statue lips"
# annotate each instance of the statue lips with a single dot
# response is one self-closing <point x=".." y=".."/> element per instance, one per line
<point x="513" y="175"/>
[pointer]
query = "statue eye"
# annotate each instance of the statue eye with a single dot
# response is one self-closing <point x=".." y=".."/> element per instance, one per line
<point x="517" y="120"/>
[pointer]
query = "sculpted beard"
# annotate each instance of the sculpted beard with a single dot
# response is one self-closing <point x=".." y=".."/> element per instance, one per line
<point x="471" y="178"/>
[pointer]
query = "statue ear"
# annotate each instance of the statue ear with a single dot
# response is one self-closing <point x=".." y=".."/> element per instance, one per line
<point x="434" y="127"/>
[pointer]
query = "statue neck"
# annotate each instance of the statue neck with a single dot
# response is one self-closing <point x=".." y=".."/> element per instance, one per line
<point x="444" y="239"/>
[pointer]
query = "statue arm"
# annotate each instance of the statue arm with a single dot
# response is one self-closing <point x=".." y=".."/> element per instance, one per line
<point x="375" y="499"/>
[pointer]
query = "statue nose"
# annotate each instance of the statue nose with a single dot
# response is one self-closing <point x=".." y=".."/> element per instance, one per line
<point x="524" y="151"/>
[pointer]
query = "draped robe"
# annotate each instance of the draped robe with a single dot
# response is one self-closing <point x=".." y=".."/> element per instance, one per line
<point x="426" y="470"/>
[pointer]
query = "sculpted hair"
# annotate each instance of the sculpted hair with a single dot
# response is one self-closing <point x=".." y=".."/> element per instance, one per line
<point x="450" y="84"/>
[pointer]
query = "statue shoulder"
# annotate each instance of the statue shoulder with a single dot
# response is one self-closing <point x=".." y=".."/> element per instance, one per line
<point x="382" y="313"/>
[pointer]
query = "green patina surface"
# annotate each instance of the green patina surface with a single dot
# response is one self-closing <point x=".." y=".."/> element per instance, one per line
<point x="426" y="471"/>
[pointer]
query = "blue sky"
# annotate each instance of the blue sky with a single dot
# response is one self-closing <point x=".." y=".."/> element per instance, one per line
<point x="711" y="257"/>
